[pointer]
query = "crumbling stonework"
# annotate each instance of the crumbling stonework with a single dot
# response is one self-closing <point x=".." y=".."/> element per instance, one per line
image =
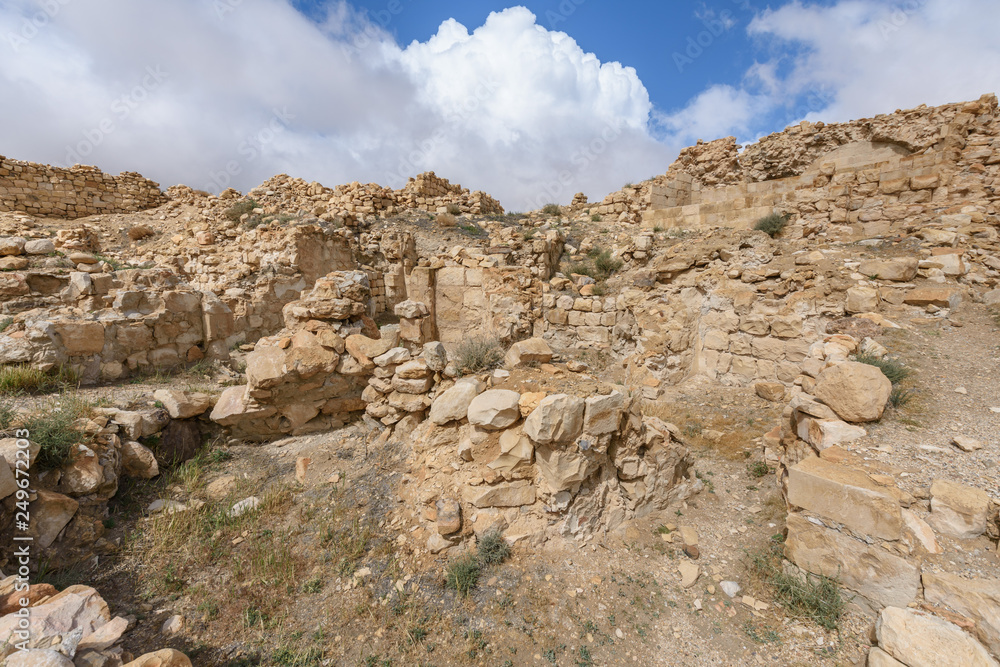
<point x="73" y="193"/>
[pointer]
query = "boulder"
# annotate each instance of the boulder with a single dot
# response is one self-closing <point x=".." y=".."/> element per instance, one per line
<point x="867" y="569"/>
<point x="12" y="245"/>
<point x="557" y="419"/>
<point x="436" y="356"/>
<point x="856" y="392"/>
<point x="899" y="269"/>
<point x="232" y="408"/>
<point x="8" y="484"/>
<point x="84" y="472"/>
<point x="364" y="349"/>
<point x="514" y="494"/>
<point x="531" y="351"/>
<point x="495" y="409"/>
<point x="449" y="516"/>
<point x="39" y="247"/>
<point x="918" y="639"/>
<point x="453" y="403"/>
<point x="138" y="460"/>
<point x="9" y="451"/>
<point x="942" y="297"/>
<point x="179" y="442"/>
<point x="36" y="657"/>
<point x="562" y="469"/>
<point x="977" y="599"/>
<point x="879" y="658"/>
<point x="958" y="510"/>
<point x="862" y="300"/>
<point x="167" y="657"/>
<point x="825" y="433"/>
<point x="603" y="414"/>
<point x="515" y="449"/>
<point x="183" y="404"/>
<point x="770" y="391"/>
<point x="50" y="512"/>
<point x="411" y="309"/>
<point x="393" y="357"/>
<point x="80" y="338"/>
<point x="845" y="495"/>
<point x="76" y="608"/>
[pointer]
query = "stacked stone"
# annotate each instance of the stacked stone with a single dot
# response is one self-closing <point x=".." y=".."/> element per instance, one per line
<point x="73" y="193"/>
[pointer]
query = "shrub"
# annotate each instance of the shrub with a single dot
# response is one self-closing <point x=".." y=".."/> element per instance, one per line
<point x="8" y="413"/>
<point x="454" y="209"/>
<point x="552" y="209"/>
<point x="893" y="369"/>
<point x="446" y="220"/>
<point x="606" y="264"/>
<point x="899" y="397"/>
<point x="236" y="211"/>
<point x="492" y="549"/>
<point x="758" y="469"/>
<point x="772" y="224"/>
<point x="595" y="218"/>
<point x="255" y="221"/>
<point x="24" y="378"/>
<point x="140" y="232"/>
<point x="479" y="353"/>
<point x="54" y="432"/>
<point x="463" y="574"/>
<point x="817" y="598"/>
<point x="6" y="322"/>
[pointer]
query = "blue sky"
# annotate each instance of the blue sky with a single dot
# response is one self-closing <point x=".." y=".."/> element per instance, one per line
<point x="531" y="102"/>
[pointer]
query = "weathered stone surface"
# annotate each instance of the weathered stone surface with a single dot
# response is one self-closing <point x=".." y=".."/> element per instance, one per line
<point x="562" y="469"/>
<point x="533" y="350"/>
<point x="449" y="516"/>
<point x="977" y="599"/>
<point x="918" y="639"/>
<point x="603" y="414"/>
<point x="364" y="349"/>
<point x="899" y="269"/>
<point x="495" y="409"/>
<point x="825" y="433"/>
<point x="411" y="309"/>
<point x="862" y="300"/>
<point x="856" y="392"/>
<point x="50" y="512"/>
<point x="514" y="494"/>
<point x="558" y="418"/>
<point x="183" y="404"/>
<point x="868" y="570"/>
<point x="436" y="356"/>
<point x="515" y="449"/>
<point x="83" y="474"/>
<point x="179" y="442"/>
<point x="74" y="608"/>
<point x="966" y="444"/>
<point x="942" y="297"/>
<point x="232" y="408"/>
<point x="958" y="510"/>
<point x="879" y="658"/>
<point x="39" y="247"/>
<point x="845" y="495"/>
<point x="8" y="484"/>
<point x="453" y="404"/>
<point x="38" y="658"/>
<point x="9" y="451"/>
<point x="138" y="460"/>
<point x="921" y="531"/>
<point x="770" y="391"/>
<point x="167" y="657"/>
<point x="81" y="338"/>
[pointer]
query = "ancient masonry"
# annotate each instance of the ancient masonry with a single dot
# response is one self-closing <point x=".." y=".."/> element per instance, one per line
<point x="892" y="214"/>
<point x="73" y="193"/>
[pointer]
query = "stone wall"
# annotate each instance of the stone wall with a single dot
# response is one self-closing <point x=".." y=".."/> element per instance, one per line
<point x="73" y="193"/>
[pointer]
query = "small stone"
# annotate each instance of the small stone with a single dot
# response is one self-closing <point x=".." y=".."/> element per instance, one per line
<point x="966" y="444"/>
<point x="689" y="573"/>
<point x="173" y="625"/>
<point x="730" y="588"/>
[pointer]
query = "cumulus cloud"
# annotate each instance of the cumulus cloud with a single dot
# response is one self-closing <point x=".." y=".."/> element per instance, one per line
<point x="848" y="60"/>
<point x="229" y="92"/>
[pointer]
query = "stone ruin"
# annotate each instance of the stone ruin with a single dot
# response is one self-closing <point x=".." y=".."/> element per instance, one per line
<point x="888" y="213"/>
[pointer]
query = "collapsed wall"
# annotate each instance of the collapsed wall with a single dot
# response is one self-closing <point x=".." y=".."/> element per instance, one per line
<point x="73" y="193"/>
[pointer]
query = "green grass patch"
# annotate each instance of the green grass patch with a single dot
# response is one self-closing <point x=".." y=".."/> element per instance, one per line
<point x="237" y="210"/>
<point x="552" y="209"/>
<point x="599" y="265"/>
<point x="893" y="369"/>
<point x="463" y="574"/>
<point x="816" y="598"/>
<point x="492" y="549"/>
<point x="27" y="379"/>
<point x="54" y="432"/>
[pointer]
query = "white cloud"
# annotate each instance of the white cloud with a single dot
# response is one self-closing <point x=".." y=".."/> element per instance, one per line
<point x="248" y="88"/>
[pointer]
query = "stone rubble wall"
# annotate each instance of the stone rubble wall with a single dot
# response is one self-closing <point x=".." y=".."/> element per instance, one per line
<point x="73" y="193"/>
<point x="854" y="519"/>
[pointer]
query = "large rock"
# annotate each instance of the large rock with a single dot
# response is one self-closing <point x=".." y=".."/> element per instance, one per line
<point x="845" y="495"/>
<point x="495" y="409"/>
<point x="869" y="570"/>
<point x="167" y="657"/>
<point x="139" y="461"/>
<point x="879" y="658"/>
<point x="862" y="300"/>
<point x="942" y="297"/>
<point x="81" y="338"/>
<point x="856" y="392"/>
<point x="364" y="349"/>
<point x="918" y="639"/>
<point x="8" y="484"/>
<point x="183" y="404"/>
<point x="958" y="510"/>
<point x="453" y="404"/>
<point x="900" y="269"/>
<point x="50" y="512"/>
<point x="603" y="414"/>
<point x="825" y="433"/>
<point x="978" y="599"/>
<point x="558" y="418"/>
<point x="37" y="657"/>
<point x="83" y="474"/>
<point x="77" y="608"/>
<point x="179" y="442"/>
<point x="514" y="494"/>
<point x="233" y="408"/>
<point x="562" y="469"/>
<point x="531" y="351"/>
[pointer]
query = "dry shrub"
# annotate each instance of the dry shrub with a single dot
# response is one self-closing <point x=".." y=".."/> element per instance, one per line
<point x="446" y="220"/>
